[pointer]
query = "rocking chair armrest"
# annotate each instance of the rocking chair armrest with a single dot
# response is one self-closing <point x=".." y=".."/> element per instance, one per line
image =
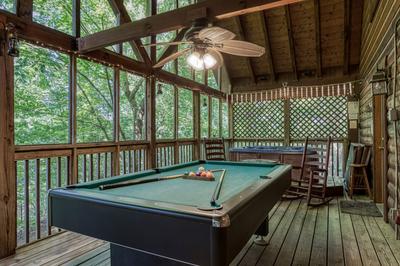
<point x="319" y="170"/>
<point x="296" y="167"/>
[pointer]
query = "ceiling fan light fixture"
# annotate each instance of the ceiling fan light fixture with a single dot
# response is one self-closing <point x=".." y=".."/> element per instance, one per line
<point x="209" y="61"/>
<point x="196" y="61"/>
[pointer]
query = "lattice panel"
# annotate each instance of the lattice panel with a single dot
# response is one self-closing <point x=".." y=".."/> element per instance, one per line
<point x="258" y="119"/>
<point x="318" y="117"/>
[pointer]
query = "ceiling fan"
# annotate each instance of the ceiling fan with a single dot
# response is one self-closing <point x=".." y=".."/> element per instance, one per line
<point x="205" y="45"/>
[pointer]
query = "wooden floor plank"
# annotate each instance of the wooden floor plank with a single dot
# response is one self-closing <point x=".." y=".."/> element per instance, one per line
<point x="98" y="259"/>
<point x="350" y="246"/>
<point x="288" y="248"/>
<point x="255" y="251"/>
<point x="367" y="251"/>
<point x="249" y="243"/>
<point x="382" y="248"/>
<point x="90" y="255"/>
<point x="270" y="253"/>
<point x="335" y="247"/>
<point x="319" y="246"/>
<point x="81" y="250"/>
<point x="299" y="235"/>
<point x="303" y="250"/>
<point x="389" y="234"/>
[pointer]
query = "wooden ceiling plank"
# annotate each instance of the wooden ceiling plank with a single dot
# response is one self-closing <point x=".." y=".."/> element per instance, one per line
<point x="239" y="26"/>
<point x="347" y="34"/>
<point x="176" y="19"/>
<point x="318" y="53"/>
<point x="123" y="16"/>
<point x="291" y="42"/>
<point x="264" y="25"/>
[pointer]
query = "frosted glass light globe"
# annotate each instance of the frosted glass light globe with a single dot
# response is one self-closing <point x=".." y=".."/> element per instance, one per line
<point x="195" y="61"/>
<point x="209" y="61"/>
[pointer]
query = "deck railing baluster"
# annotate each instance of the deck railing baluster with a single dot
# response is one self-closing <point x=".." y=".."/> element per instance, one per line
<point x="27" y="231"/>
<point x="48" y="183"/>
<point x="37" y="192"/>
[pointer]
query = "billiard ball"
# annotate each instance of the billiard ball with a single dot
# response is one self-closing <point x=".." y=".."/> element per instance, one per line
<point x="198" y="174"/>
<point x="201" y="169"/>
<point x="192" y="174"/>
<point x="204" y="174"/>
<point x="209" y="174"/>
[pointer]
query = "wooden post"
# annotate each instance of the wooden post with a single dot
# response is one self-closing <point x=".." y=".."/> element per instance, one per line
<point x="286" y="111"/>
<point x="151" y="120"/>
<point x="196" y="127"/>
<point x="73" y="160"/>
<point x="176" y="125"/>
<point x="115" y="154"/>
<point x="8" y="199"/>
<point x="24" y="9"/>
<point x="209" y="116"/>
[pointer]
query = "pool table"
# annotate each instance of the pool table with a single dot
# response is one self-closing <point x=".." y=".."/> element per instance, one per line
<point x="172" y="222"/>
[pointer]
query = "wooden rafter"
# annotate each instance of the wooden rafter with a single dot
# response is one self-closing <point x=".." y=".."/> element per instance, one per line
<point x="346" y="39"/>
<point x="176" y="19"/>
<point x="317" y="21"/>
<point x="76" y="18"/>
<point x="291" y="42"/>
<point x="264" y="25"/>
<point x="25" y="9"/>
<point x="137" y="46"/>
<point x="173" y="48"/>
<point x="239" y="26"/>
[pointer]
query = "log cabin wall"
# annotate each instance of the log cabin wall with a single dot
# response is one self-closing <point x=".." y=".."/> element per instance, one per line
<point x="377" y="51"/>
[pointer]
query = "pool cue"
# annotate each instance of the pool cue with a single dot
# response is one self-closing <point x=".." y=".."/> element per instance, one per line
<point x="138" y="182"/>
<point x="217" y="190"/>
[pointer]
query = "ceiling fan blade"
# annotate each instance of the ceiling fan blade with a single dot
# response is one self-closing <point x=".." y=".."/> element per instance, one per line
<point x="171" y="57"/>
<point x="218" y="56"/>
<point x="166" y="43"/>
<point x="216" y="34"/>
<point x="241" y="48"/>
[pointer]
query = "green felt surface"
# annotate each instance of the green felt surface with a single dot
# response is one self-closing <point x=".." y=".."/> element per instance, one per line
<point x="192" y="192"/>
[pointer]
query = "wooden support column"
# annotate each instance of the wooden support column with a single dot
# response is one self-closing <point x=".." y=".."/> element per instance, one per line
<point x="115" y="154"/>
<point x="286" y="112"/>
<point x="76" y="18"/>
<point x="8" y="199"/>
<point x="24" y="9"/>
<point x="209" y="116"/>
<point x="73" y="160"/>
<point x="196" y="127"/>
<point x="151" y="120"/>
<point x="176" y="124"/>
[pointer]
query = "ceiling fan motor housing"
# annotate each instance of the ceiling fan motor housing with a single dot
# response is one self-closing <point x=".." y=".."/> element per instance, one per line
<point x="198" y="25"/>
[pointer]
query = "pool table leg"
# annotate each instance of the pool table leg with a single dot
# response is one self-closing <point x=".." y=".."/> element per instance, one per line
<point x="262" y="232"/>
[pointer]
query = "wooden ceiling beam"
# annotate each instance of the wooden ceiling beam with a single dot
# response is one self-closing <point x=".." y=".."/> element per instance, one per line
<point x="123" y="16"/>
<point x="291" y="42"/>
<point x="317" y="21"/>
<point x="176" y="19"/>
<point x="239" y="26"/>
<point x="347" y="34"/>
<point x="173" y="48"/>
<point x="270" y="61"/>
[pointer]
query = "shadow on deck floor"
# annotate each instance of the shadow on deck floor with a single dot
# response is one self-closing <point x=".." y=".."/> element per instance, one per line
<point x="298" y="236"/>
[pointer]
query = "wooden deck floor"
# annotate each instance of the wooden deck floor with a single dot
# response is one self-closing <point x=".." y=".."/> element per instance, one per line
<point x="298" y="236"/>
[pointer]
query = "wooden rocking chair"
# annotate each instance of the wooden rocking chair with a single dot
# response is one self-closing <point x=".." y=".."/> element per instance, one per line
<point x="214" y="149"/>
<point x="314" y="174"/>
<point x="358" y="171"/>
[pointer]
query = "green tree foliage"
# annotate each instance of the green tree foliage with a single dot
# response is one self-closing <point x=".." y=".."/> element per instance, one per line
<point x="214" y="117"/>
<point x="8" y="5"/>
<point x="41" y="96"/>
<point x="185" y="114"/>
<point x="137" y="9"/>
<point x="211" y="79"/>
<point x="132" y="106"/>
<point x="94" y="102"/>
<point x="165" y="119"/>
<point x="56" y="14"/>
<point x="204" y="104"/>
<point x="96" y="15"/>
